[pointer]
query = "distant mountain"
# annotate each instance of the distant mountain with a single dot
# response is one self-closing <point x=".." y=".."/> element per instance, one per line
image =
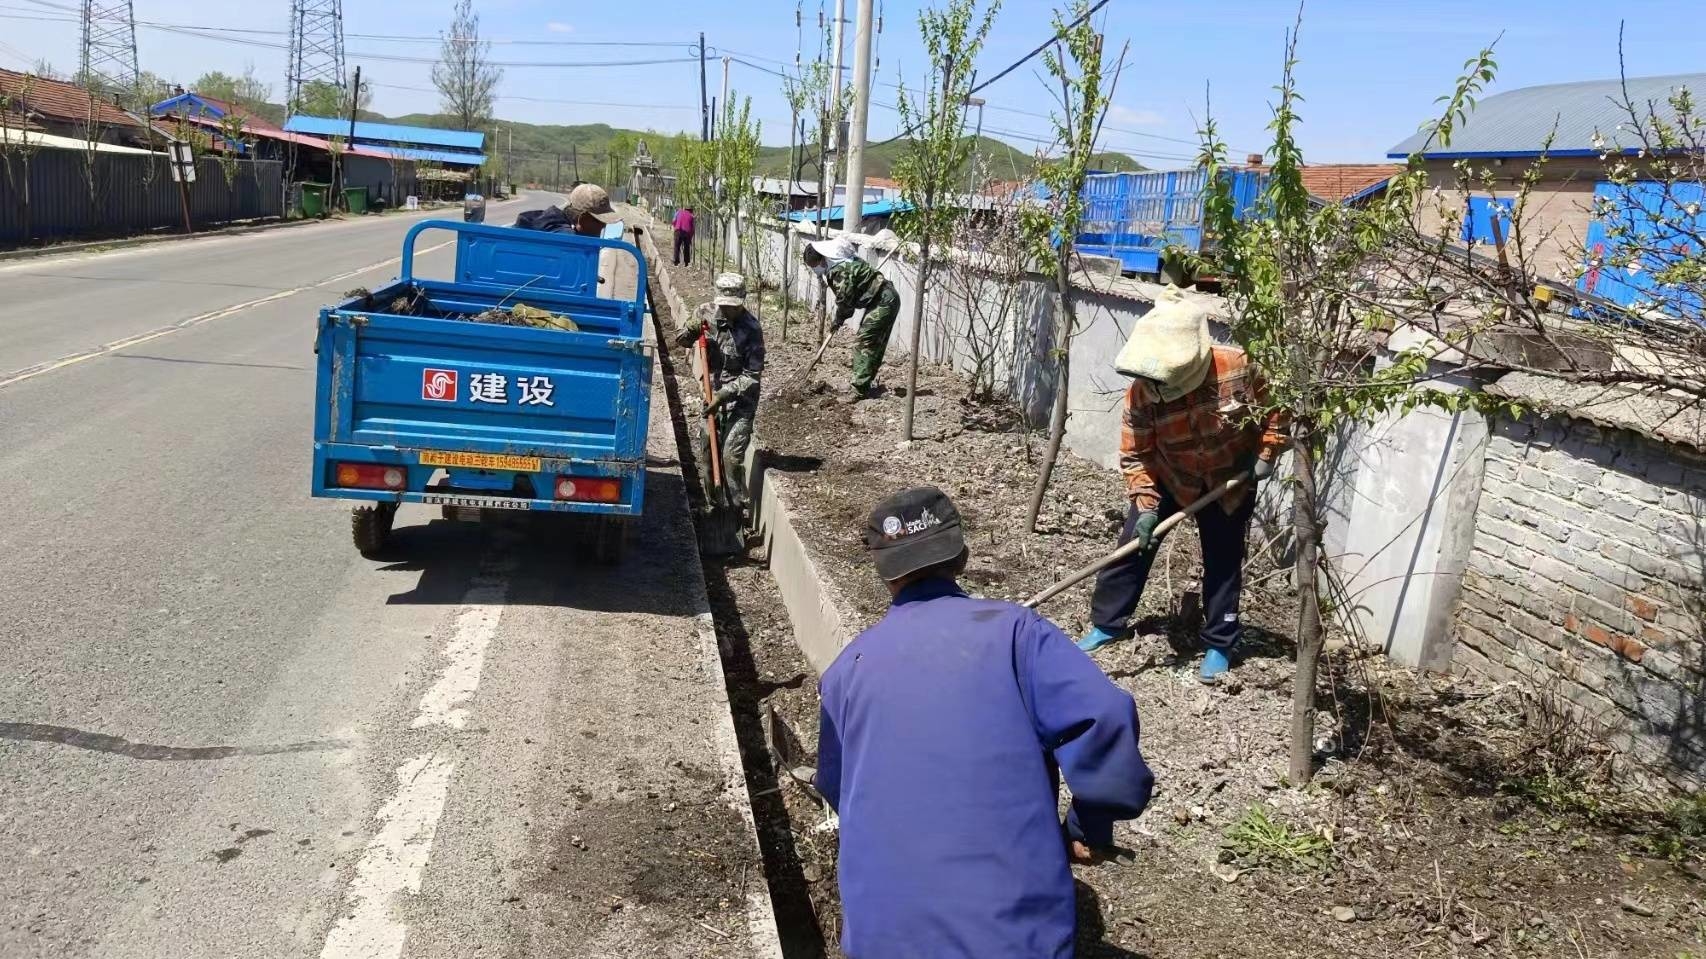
<point x="600" y="152"/>
<point x="1004" y="162"/>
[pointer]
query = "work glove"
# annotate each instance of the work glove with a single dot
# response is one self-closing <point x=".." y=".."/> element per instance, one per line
<point x="1144" y="530"/>
<point x="1262" y="469"/>
<point x="721" y="398"/>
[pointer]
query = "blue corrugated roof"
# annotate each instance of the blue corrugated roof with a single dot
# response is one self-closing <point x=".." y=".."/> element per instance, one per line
<point x="389" y="132"/>
<point x="440" y="156"/>
<point x="877" y="208"/>
<point x="1516" y="123"/>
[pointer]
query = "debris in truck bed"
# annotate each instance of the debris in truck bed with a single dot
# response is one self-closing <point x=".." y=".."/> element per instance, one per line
<point x="523" y="315"/>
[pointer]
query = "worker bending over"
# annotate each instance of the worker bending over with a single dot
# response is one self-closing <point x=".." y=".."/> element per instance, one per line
<point x="734" y="341"/>
<point x="857" y="286"/>
<point x="1193" y="420"/>
<point x="944" y="731"/>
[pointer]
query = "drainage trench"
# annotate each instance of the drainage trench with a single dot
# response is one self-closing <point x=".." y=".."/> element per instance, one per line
<point x="759" y="659"/>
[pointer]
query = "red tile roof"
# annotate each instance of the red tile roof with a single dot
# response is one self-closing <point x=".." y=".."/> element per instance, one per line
<point x="1339" y="181"/>
<point x="62" y="101"/>
<point x="259" y="126"/>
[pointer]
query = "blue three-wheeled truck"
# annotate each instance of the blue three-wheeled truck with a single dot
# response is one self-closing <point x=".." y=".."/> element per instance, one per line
<point x="427" y="394"/>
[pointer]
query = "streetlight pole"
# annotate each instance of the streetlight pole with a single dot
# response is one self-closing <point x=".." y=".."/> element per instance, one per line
<point x="976" y="144"/>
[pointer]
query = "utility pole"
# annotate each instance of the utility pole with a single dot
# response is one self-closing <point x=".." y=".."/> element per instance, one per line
<point x="509" y="153"/>
<point x="557" y="184"/>
<point x="836" y="142"/>
<point x="704" y="104"/>
<point x="854" y="211"/>
<point x="575" y="160"/>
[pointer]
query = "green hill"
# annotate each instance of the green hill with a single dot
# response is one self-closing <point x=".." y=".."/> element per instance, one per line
<point x="600" y="152"/>
<point x="1005" y="162"/>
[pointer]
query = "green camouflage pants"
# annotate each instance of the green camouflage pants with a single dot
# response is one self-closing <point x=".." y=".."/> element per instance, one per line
<point x="873" y="337"/>
<point x="734" y="435"/>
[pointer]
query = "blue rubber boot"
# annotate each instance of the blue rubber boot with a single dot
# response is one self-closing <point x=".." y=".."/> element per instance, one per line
<point x="1095" y="639"/>
<point x="1214" y="662"/>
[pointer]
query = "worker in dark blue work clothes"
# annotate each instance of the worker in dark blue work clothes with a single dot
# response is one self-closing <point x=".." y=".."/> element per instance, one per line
<point x="945" y="730"/>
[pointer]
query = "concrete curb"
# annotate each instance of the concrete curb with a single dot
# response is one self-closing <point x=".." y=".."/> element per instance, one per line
<point x="760" y="913"/>
<point x="821" y="618"/>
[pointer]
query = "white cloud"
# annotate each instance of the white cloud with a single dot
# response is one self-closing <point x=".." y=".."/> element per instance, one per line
<point x="1126" y="116"/>
<point x="556" y="26"/>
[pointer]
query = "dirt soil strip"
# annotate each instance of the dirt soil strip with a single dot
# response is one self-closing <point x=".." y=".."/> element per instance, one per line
<point x="1426" y="851"/>
<point x="796" y="922"/>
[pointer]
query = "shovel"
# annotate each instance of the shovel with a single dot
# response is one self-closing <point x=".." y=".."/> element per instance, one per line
<point x="1128" y="549"/>
<point x="722" y="531"/>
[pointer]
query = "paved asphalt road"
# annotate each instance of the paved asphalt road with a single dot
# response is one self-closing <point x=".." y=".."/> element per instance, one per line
<point x="224" y="733"/>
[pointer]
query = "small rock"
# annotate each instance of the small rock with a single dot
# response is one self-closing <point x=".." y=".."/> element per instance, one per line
<point x="1629" y="904"/>
<point x="1198" y="812"/>
<point x="811" y="872"/>
<point x="1226" y="855"/>
<point x="1182" y="816"/>
<point x="1225" y="872"/>
<point x="1344" y="914"/>
<point x="903" y="445"/>
<point x="1365" y="913"/>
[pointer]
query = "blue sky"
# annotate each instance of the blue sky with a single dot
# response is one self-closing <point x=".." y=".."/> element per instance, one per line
<point x="1369" y="70"/>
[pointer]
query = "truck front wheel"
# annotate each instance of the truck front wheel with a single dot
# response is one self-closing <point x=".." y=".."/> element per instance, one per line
<point x="370" y="527"/>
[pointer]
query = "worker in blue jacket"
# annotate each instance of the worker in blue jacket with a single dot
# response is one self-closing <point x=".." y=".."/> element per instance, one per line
<point x="945" y="730"/>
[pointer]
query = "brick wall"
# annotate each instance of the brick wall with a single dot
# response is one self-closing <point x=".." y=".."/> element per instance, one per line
<point x="1588" y="569"/>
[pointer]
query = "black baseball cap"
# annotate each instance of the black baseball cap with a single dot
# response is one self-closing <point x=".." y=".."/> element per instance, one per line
<point x="913" y="529"/>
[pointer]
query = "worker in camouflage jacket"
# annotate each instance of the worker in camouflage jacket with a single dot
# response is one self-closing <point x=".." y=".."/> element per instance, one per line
<point x="734" y="342"/>
<point x="857" y="286"/>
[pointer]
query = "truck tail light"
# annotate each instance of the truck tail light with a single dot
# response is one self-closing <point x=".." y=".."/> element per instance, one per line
<point x="372" y="476"/>
<point x="588" y="489"/>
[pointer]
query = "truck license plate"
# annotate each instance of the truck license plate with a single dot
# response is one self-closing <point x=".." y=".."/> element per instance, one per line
<point x="466" y="501"/>
<point x="481" y="461"/>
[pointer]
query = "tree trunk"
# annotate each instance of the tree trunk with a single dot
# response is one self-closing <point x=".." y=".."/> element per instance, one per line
<point x="1307" y="529"/>
<point x="917" y="337"/>
<point x="1063" y="379"/>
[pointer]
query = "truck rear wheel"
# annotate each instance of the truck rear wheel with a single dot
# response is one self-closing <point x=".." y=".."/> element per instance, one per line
<point x="370" y="527"/>
<point x="610" y="539"/>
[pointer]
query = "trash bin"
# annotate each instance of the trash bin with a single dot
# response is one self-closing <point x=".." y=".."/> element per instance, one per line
<point x="355" y="198"/>
<point x="314" y="199"/>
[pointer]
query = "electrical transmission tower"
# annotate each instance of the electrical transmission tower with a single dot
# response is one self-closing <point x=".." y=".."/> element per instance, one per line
<point x="109" y="47"/>
<point x="316" y="48"/>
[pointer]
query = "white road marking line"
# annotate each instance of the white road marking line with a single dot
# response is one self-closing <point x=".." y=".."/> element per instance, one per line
<point x="445" y="704"/>
<point x="18" y="376"/>
<point x="392" y="863"/>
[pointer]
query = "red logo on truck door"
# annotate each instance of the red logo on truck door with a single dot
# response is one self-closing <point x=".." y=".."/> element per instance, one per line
<point x="438" y="385"/>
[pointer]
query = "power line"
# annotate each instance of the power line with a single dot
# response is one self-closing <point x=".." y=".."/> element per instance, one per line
<point x="571" y="103"/>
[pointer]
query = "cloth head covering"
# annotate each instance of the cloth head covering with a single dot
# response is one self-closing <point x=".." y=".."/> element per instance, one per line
<point x="1170" y="346"/>
<point x="836" y="250"/>
<point x="731" y="290"/>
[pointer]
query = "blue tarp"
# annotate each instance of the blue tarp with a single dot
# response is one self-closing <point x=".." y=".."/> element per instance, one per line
<point x="876" y="208"/>
<point x="387" y="132"/>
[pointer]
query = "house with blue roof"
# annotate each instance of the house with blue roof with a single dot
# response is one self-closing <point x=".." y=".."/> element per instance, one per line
<point x="459" y="150"/>
<point x="1577" y="128"/>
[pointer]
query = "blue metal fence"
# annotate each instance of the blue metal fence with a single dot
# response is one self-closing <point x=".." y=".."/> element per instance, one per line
<point x="1135" y="217"/>
<point x="1661" y="223"/>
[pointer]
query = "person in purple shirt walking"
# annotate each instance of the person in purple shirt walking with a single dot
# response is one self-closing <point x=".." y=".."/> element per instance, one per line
<point x="683" y="237"/>
<point x="945" y="731"/>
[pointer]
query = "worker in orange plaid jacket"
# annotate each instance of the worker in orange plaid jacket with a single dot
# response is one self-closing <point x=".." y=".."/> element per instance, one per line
<point x="1193" y="420"/>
